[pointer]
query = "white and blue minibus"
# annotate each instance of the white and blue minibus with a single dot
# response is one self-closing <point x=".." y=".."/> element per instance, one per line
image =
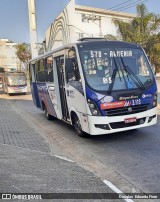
<point x="97" y="86"/>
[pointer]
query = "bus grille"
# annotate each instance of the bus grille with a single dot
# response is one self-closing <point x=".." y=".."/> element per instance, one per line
<point x="122" y="124"/>
<point x="125" y="111"/>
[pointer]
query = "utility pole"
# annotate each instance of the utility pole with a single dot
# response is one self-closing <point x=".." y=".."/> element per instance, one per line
<point x="94" y="18"/>
<point x="33" y="27"/>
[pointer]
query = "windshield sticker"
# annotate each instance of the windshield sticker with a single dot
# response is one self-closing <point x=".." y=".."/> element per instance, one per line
<point x="121" y="53"/>
<point x="107" y="80"/>
<point x="130" y="84"/>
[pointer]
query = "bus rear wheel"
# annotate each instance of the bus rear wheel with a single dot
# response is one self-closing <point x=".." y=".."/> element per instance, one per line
<point x="48" y="116"/>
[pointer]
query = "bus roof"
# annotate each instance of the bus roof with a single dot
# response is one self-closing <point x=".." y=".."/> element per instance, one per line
<point x="108" y="43"/>
<point x="90" y="42"/>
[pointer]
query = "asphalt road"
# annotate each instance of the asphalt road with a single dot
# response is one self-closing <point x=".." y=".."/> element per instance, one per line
<point x="130" y="160"/>
<point x="27" y="164"/>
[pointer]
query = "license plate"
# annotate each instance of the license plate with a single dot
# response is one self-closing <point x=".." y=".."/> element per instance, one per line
<point x="130" y="120"/>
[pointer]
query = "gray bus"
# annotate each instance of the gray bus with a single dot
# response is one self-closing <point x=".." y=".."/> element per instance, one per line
<point x="15" y="82"/>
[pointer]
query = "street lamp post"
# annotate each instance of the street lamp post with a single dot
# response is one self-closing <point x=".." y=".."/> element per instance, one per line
<point x="33" y="27"/>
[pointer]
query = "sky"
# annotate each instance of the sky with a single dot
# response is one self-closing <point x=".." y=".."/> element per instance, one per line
<point x="14" y="23"/>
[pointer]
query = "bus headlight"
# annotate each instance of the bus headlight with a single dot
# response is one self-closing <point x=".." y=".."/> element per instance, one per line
<point x="92" y="106"/>
<point x="95" y="112"/>
<point x="154" y="104"/>
<point x="94" y="109"/>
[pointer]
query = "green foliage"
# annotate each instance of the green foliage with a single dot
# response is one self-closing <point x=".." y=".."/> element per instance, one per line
<point x="110" y="37"/>
<point x="1" y="69"/>
<point x="153" y="49"/>
<point x="23" y="52"/>
<point x="143" y="30"/>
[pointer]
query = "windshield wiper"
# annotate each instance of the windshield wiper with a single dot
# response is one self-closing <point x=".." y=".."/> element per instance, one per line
<point x="113" y="77"/>
<point x="133" y="76"/>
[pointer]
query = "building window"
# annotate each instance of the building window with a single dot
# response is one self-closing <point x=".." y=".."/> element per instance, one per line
<point x="84" y="19"/>
<point x="80" y="35"/>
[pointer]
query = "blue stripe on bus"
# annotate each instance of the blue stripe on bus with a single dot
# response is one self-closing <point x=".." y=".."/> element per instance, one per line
<point x="41" y="94"/>
<point x="35" y="95"/>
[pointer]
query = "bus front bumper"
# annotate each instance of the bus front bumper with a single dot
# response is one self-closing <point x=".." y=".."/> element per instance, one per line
<point x="17" y="89"/>
<point x="106" y="125"/>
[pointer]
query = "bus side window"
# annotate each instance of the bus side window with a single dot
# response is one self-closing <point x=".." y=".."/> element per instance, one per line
<point x="41" y="73"/>
<point x="36" y="69"/>
<point x="72" y="70"/>
<point x="49" y="69"/>
<point x="32" y="72"/>
<point x="70" y="73"/>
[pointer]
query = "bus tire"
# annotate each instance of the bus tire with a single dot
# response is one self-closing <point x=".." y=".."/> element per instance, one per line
<point x="78" y="127"/>
<point x="48" y="116"/>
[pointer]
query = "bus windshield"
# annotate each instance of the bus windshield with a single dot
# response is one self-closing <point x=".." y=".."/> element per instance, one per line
<point x="116" y="69"/>
<point x="16" y="79"/>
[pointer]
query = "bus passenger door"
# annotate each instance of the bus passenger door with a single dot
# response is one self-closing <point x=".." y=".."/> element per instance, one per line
<point x="74" y="88"/>
<point x="61" y="81"/>
<point x="33" y="85"/>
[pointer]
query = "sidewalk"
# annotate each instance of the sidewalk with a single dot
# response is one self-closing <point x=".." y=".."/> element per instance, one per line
<point x="27" y="166"/>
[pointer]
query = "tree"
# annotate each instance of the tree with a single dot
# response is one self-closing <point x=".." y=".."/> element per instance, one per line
<point x="140" y="28"/>
<point x="110" y="37"/>
<point x="153" y="50"/>
<point x="143" y="30"/>
<point x="23" y="53"/>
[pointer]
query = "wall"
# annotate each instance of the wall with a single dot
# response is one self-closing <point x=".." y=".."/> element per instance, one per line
<point x="8" y="57"/>
<point x="69" y="26"/>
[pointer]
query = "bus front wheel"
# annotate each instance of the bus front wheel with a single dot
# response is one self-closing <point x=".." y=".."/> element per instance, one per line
<point x="78" y="127"/>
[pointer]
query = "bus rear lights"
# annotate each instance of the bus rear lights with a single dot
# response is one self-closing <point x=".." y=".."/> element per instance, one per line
<point x="151" y="117"/>
<point x="102" y="126"/>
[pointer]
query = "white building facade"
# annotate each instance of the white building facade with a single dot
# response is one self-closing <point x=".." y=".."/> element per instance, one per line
<point x="77" y="21"/>
<point x="8" y="57"/>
